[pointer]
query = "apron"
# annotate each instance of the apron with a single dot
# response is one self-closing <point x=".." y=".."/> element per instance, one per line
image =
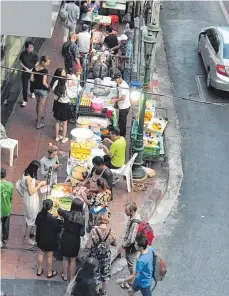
<point x="93" y="180"/>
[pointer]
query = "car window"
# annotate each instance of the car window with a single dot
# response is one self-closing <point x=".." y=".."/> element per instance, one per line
<point x="213" y="39"/>
<point x="226" y="51"/>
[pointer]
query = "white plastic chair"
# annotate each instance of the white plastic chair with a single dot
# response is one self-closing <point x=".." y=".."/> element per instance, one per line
<point x="126" y="171"/>
<point x="9" y="144"/>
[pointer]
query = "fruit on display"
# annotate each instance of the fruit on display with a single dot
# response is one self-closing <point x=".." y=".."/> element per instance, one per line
<point x="150" y="143"/>
<point x="64" y="203"/>
<point x="85" y="102"/>
<point x="78" y="173"/>
<point x="157" y="126"/>
<point x="148" y="116"/>
<point x="84" y="144"/>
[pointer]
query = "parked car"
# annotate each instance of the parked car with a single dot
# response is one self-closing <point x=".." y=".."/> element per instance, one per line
<point x="213" y="46"/>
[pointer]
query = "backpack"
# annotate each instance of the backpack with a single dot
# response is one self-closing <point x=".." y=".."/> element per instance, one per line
<point x="63" y="14"/>
<point x="102" y="249"/>
<point x="159" y="269"/>
<point x="65" y="49"/>
<point x="145" y="229"/>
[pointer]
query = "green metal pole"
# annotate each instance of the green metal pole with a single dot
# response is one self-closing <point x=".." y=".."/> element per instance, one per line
<point x="138" y="172"/>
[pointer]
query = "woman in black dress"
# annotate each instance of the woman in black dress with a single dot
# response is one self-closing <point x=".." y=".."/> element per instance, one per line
<point x="46" y="236"/>
<point x="74" y="228"/>
<point x="62" y="111"/>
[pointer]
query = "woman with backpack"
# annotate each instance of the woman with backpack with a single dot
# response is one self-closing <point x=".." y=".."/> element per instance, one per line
<point x="48" y="228"/>
<point x="99" y="241"/>
<point x="63" y="92"/>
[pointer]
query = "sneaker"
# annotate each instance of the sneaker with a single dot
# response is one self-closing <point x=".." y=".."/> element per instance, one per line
<point x="30" y="242"/>
<point x="40" y="125"/>
<point x="115" y="181"/>
<point x="33" y="96"/>
<point x="65" y="140"/>
<point x="23" y="104"/>
<point x="59" y="138"/>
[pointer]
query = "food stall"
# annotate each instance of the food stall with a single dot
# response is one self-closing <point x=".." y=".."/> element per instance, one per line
<point x="154" y="127"/>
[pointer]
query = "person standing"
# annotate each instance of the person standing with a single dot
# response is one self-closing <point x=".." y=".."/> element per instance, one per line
<point x="70" y="52"/>
<point x="122" y="101"/>
<point x="6" y="189"/>
<point x="48" y="228"/>
<point x="50" y="165"/>
<point x="127" y="54"/>
<point x="83" y="42"/>
<point x="28" y="59"/>
<point x="73" y="16"/>
<point x="83" y="283"/>
<point x="39" y="78"/>
<point x="99" y="241"/>
<point x="74" y="228"/>
<point x="31" y="199"/>
<point x="128" y="243"/>
<point x="143" y="276"/>
<point x="111" y="40"/>
<point x="62" y="111"/>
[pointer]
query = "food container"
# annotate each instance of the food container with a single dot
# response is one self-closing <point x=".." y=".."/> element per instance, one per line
<point x="95" y="129"/>
<point x="81" y="133"/>
<point x="97" y="104"/>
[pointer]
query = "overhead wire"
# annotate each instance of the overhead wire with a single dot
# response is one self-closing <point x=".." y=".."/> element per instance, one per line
<point x="194" y="100"/>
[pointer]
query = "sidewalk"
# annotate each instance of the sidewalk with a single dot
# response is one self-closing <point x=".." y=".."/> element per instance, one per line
<point x="17" y="260"/>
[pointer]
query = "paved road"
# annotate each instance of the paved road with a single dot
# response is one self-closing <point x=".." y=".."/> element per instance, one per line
<point x="194" y="238"/>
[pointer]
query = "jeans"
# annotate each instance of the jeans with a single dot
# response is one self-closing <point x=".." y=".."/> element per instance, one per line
<point x="5" y="227"/>
<point x="25" y="83"/>
<point x="41" y="93"/>
<point x="68" y="67"/>
<point x="67" y="31"/>
<point x="122" y="121"/>
<point x="127" y="75"/>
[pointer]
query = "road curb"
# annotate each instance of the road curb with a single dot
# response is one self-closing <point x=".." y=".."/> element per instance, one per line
<point x="172" y="136"/>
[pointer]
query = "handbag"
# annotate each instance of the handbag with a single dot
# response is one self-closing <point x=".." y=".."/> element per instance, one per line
<point x="20" y="187"/>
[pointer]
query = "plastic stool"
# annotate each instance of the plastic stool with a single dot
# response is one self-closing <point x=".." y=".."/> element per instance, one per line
<point x="114" y="21"/>
<point x="9" y="144"/>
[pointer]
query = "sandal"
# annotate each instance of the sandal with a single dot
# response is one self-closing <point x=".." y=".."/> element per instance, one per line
<point x="54" y="273"/>
<point x="62" y="276"/>
<point x="124" y="285"/>
<point x="40" y="273"/>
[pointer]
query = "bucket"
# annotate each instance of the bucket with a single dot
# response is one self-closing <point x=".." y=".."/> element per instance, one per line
<point x="97" y="105"/>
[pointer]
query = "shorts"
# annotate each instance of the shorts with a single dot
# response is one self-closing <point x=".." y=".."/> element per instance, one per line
<point x="41" y="92"/>
<point x="145" y="291"/>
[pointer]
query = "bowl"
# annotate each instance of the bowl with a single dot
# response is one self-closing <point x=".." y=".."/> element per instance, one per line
<point x="81" y="133"/>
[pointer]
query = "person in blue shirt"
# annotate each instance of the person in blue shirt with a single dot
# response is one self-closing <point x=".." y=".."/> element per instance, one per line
<point x="144" y="269"/>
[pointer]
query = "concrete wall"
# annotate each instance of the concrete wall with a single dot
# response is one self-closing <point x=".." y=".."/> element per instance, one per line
<point x="29" y="18"/>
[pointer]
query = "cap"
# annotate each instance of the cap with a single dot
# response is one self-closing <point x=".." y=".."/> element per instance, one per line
<point x="122" y="37"/>
<point x="117" y="74"/>
<point x="85" y="27"/>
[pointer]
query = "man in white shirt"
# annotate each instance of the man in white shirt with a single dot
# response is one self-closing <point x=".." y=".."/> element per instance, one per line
<point x="83" y="40"/>
<point x="122" y="101"/>
<point x="73" y="16"/>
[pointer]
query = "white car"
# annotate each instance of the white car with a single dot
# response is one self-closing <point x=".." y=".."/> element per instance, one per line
<point x="213" y="46"/>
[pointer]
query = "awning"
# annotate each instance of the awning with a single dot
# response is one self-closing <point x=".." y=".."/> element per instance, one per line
<point x="29" y="18"/>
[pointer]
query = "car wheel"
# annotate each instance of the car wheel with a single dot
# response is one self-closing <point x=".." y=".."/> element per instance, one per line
<point x="209" y="86"/>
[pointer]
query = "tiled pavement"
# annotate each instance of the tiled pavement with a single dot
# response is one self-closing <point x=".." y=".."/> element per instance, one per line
<point x="17" y="261"/>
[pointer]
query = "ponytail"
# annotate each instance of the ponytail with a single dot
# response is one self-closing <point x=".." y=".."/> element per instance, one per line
<point x="47" y="205"/>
